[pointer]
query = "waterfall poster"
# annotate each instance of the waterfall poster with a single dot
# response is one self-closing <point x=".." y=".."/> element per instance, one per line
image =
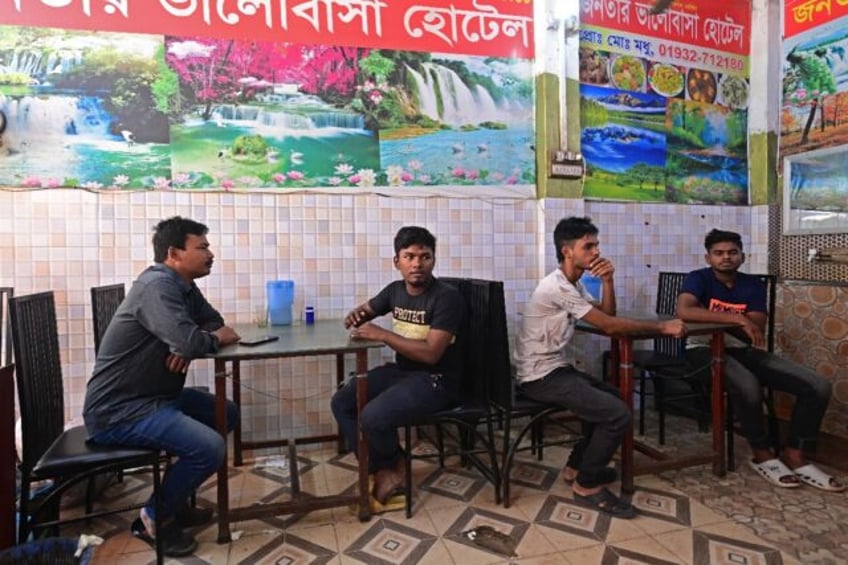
<point x="105" y="110"/>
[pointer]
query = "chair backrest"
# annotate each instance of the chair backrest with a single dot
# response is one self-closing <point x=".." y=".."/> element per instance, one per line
<point x="668" y="288"/>
<point x="104" y="302"/>
<point x="6" y="292"/>
<point x="487" y="375"/>
<point x="771" y="299"/>
<point x="38" y="371"/>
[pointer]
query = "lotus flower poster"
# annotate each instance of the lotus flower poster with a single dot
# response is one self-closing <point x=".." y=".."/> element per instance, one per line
<point x="104" y="108"/>
<point x="664" y="100"/>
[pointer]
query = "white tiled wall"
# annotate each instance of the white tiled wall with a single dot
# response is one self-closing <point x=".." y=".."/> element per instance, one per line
<point x="337" y="249"/>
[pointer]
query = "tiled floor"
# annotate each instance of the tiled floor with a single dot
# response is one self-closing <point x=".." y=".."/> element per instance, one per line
<point x="685" y="517"/>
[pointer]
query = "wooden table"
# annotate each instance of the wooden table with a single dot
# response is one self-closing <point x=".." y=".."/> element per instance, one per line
<point x="325" y="337"/>
<point x="621" y="354"/>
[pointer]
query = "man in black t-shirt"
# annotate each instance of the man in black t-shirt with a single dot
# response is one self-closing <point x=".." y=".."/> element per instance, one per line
<point x="426" y="317"/>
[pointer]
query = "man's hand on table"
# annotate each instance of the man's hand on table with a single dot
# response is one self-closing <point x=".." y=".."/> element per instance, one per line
<point x="673" y="328"/>
<point x="368" y="331"/>
<point x="226" y="336"/>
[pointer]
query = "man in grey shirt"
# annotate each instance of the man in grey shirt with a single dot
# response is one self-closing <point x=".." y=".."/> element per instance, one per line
<point x="136" y="395"/>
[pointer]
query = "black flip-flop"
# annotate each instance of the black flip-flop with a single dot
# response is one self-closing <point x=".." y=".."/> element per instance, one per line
<point x="607" y="502"/>
<point x="172" y="546"/>
<point x="605" y="477"/>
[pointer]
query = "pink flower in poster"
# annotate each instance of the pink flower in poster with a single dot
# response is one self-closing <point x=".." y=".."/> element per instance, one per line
<point x="334" y="181"/>
<point x="227" y="184"/>
<point x="406" y="177"/>
<point x="458" y="172"/>
<point x="52" y="183"/>
<point x="32" y="182"/>
<point x="512" y="179"/>
<point x="294" y="175"/>
<point x="472" y="175"/>
<point x="344" y="169"/>
<point x="279" y="178"/>
<point x="161" y="183"/>
<point x="181" y="179"/>
<point x="353" y="179"/>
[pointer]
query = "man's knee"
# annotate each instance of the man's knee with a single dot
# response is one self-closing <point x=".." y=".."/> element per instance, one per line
<point x="343" y="403"/>
<point x="372" y="420"/>
<point x="822" y="389"/>
<point x="621" y="417"/>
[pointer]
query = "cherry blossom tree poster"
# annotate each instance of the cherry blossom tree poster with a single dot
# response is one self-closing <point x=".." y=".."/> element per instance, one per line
<point x="104" y="110"/>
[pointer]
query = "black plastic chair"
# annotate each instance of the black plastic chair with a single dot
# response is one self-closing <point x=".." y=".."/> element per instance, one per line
<point x="6" y="293"/>
<point x="104" y="302"/>
<point x="665" y="359"/>
<point x="49" y="451"/>
<point x="508" y="405"/>
<point x="474" y="409"/>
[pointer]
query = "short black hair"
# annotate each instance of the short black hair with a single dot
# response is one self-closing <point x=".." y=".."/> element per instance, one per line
<point x="173" y="232"/>
<point x="571" y="229"/>
<point x="407" y="236"/>
<point x="721" y="236"/>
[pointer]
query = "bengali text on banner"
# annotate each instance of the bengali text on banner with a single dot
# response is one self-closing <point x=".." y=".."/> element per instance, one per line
<point x="475" y="27"/>
<point x="720" y="26"/>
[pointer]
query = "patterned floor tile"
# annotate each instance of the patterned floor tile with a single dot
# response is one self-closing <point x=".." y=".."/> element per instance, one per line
<point x="457" y="484"/>
<point x="567" y="515"/>
<point x="473" y="518"/>
<point x="710" y="548"/>
<point x="533" y="475"/>
<point x="389" y="543"/>
<point x="662" y="505"/>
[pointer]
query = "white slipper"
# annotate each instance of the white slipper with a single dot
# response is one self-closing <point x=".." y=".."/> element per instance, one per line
<point x="815" y="477"/>
<point x="773" y="470"/>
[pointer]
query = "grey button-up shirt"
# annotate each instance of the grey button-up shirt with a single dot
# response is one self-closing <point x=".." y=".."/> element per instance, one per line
<point x="162" y="314"/>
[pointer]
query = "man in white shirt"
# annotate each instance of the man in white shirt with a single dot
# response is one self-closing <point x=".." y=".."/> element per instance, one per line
<point x="545" y="373"/>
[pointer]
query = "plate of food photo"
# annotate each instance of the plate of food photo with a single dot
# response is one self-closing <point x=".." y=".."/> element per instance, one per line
<point x="701" y="86"/>
<point x="665" y="79"/>
<point x="627" y="73"/>
<point x="733" y="92"/>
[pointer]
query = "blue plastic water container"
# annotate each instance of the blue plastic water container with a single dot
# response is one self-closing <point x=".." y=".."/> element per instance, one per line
<point x="280" y="299"/>
<point x="592" y="285"/>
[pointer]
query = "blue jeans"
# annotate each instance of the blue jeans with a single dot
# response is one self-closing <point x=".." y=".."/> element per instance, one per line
<point x="747" y="370"/>
<point x="184" y="428"/>
<point x="395" y="398"/>
<point x="598" y="404"/>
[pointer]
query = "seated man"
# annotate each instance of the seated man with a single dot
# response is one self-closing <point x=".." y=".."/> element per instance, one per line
<point x="546" y="375"/>
<point x="427" y="315"/>
<point x="136" y="395"/>
<point x="720" y="293"/>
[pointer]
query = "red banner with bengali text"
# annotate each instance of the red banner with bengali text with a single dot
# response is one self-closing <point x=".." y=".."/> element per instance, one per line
<point x="473" y="27"/>
<point x="802" y="15"/>
<point x="723" y="26"/>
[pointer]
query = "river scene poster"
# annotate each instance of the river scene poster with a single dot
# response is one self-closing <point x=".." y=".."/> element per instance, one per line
<point x="104" y="110"/>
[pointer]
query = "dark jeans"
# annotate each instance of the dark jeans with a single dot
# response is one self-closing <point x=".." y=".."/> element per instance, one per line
<point x="395" y="398"/>
<point x="598" y="404"/>
<point x="184" y="428"/>
<point x="747" y="370"/>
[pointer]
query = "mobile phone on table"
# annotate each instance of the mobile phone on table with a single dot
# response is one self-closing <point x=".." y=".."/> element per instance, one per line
<point x="259" y="340"/>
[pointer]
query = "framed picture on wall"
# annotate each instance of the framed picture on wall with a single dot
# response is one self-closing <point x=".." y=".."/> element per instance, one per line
<point x="815" y="191"/>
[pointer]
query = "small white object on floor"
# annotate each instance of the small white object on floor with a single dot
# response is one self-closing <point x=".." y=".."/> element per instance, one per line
<point x="272" y="462"/>
<point x="86" y="540"/>
<point x="236" y="535"/>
